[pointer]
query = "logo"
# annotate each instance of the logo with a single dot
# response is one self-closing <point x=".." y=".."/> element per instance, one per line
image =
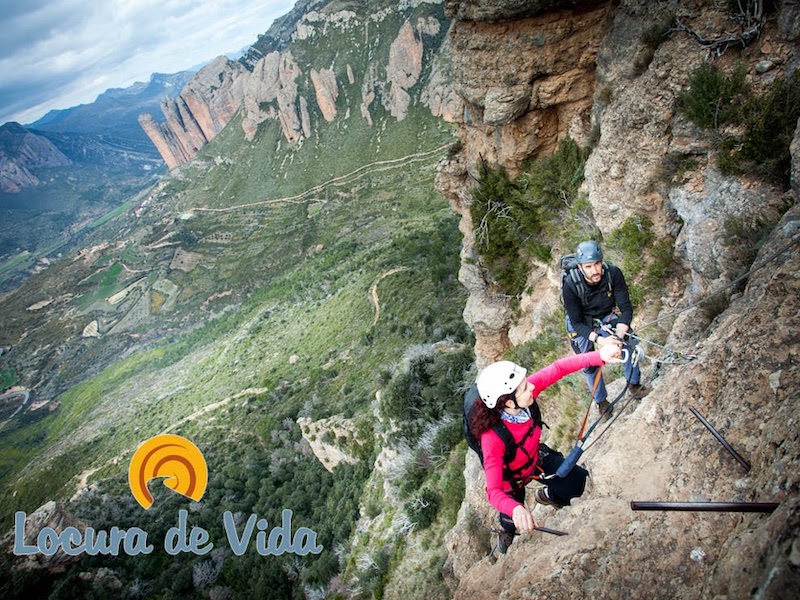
<point x="184" y="470"/>
<point x="173" y="457"/>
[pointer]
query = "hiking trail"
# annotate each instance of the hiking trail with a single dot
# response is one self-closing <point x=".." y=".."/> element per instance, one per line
<point x="373" y="291"/>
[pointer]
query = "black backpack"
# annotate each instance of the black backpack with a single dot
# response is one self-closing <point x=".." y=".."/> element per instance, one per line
<point x="571" y="275"/>
<point x="510" y="475"/>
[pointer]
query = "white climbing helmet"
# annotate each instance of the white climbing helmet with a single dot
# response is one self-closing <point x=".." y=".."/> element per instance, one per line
<point x="499" y="379"/>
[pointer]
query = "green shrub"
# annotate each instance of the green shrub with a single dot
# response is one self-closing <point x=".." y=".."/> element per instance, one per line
<point x="713" y="99"/>
<point x="516" y="221"/>
<point x="453" y="484"/>
<point x="743" y="239"/>
<point x="770" y="121"/>
<point x="455" y="148"/>
<point x="428" y="389"/>
<point x="632" y="239"/>
<point x="662" y="264"/>
<point x="674" y="167"/>
<point x="500" y="226"/>
<point x="543" y="349"/>
<point x="8" y="378"/>
<point x="422" y="508"/>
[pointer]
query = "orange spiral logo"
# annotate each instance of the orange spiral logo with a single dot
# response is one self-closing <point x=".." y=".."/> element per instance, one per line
<point x="173" y="457"/>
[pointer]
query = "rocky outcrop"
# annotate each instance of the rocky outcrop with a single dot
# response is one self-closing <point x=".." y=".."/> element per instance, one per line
<point x="273" y="80"/>
<point x="327" y="91"/>
<point x="327" y="438"/>
<point x="659" y="452"/>
<point x="168" y="146"/>
<point x="529" y="92"/>
<point x="205" y="105"/>
<point x="403" y="70"/>
<point x="479" y="10"/>
<point x="54" y="516"/>
<point x="22" y="153"/>
<point x="276" y="87"/>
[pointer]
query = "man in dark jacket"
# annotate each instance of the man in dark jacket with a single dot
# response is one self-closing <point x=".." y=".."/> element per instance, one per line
<point x="597" y="292"/>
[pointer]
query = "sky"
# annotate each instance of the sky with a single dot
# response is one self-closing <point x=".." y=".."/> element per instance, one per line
<point x="56" y="54"/>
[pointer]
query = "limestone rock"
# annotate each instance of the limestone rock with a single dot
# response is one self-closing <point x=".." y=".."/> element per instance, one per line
<point x="523" y="85"/>
<point x="205" y="105"/>
<point x="479" y="10"/>
<point x="165" y="141"/>
<point x="21" y="153"/>
<point x="439" y="94"/>
<point x="707" y="213"/>
<point x="655" y="450"/>
<point x="326" y="438"/>
<point x="214" y="95"/>
<point x="670" y="456"/>
<point x="795" y="150"/>
<point x="57" y="518"/>
<point x="326" y="91"/>
<point x="270" y="92"/>
<point x="524" y="82"/>
<point x="403" y="70"/>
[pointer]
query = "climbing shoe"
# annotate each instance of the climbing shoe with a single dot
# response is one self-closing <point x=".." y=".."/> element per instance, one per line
<point x="543" y="497"/>
<point x="605" y="409"/>
<point x="638" y="391"/>
<point x="504" y="540"/>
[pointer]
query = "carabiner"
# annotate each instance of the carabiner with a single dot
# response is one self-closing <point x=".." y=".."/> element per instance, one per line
<point x="625" y="354"/>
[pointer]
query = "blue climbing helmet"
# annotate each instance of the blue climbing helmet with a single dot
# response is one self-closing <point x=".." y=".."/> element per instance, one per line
<point x="588" y="252"/>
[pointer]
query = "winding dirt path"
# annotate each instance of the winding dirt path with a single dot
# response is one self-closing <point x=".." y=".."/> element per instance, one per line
<point x="373" y="291"/>
<point x="380" y="165"/>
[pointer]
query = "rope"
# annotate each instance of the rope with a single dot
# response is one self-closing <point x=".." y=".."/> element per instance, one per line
<point x="600" y="418"/>
<point x="616" y="413"/>
<point x="676" y="356"/>
<point x="747" y="274"/>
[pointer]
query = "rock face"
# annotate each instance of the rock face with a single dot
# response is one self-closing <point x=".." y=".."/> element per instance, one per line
<point x="479" y="10"/>
<point x="198" y="114"/>
<point x="326" y="91"/>
<point x="405" y="66"/>
<point x="273" y="80"/>
<point x="21" y="153"/>
<point x="54" y="516"/>
<point x="528" y="75"/>
<point x="658" y="451"/>
<point x="326" y="437"/>
<point x="524" y="85"/>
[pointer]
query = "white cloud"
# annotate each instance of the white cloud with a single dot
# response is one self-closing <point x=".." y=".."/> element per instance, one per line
<point x="57" y="54"/>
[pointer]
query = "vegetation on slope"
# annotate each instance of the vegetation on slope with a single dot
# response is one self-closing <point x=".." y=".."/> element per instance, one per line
<point x="266" y="317"/>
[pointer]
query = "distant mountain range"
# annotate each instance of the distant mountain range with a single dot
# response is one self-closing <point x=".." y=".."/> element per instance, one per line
<point x="113" y="115"/>
<point x="74" y="165"/>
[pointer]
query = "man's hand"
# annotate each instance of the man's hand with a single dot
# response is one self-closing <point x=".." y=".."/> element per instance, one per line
<point x="620" y="330"/>
<point x="523" y="519"/>
<point x="608" y="341"/>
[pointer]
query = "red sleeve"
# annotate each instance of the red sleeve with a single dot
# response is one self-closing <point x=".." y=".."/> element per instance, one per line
<point x="493" y="450"/>
<point x="544" y="378"/>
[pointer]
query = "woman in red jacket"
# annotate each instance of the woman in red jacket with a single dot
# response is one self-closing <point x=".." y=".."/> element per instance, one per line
<point x="509" y="401"/>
